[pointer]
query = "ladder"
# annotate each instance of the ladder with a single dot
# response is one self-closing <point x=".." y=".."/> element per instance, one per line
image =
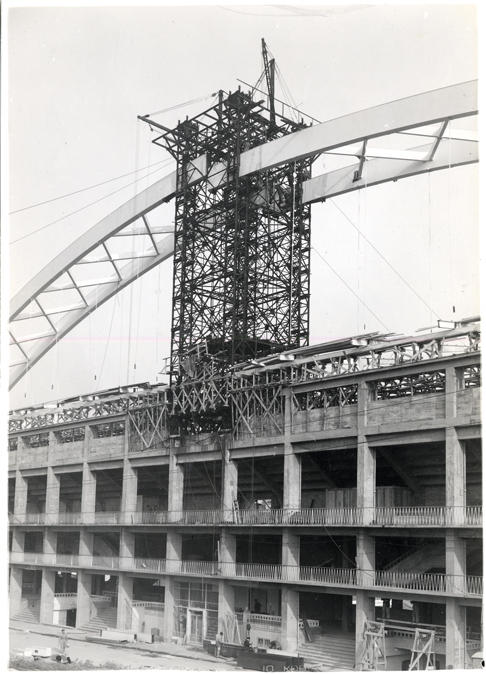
<point x="372" y="653"/>
<point x="423" y="649"/>
<point x="232" y="629"/>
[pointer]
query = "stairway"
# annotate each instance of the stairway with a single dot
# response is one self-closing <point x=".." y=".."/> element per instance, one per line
<point x="427" y="557"/>
<point x="333" y="652"/>
<point x="29" y="613"/>
<point x="106" y="619"/>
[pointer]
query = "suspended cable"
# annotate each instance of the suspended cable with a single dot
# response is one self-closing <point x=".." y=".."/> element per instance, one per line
<point x="182" y="105"/>
<point x="91" y="187"/>
<point x="83" y="207"/>
<point x="349" y="287"/>
<point x="384" y="259"/>
<point x="450" y="231"/>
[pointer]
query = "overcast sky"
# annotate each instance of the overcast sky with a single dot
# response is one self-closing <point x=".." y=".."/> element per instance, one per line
<point x="78" y="78"/>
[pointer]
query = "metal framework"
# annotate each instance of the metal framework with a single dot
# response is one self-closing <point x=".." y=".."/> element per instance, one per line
<point x="242" y="244"/>
<point x="423" y="650"/>
<point x="94" y="267"/>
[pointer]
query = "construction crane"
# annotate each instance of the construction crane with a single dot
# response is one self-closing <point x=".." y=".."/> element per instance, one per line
<point x="270" y="77"/>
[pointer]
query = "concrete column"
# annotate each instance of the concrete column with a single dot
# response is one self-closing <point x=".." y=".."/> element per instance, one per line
<point x="83" y="601"/>
<point x="52" y="495"/>
<point x="346" y="600"/>
<point x="18" y="542"/>
<point x="129" y="492"/>
<point x="292" y="463"/>
<point x="47" y="596"/>
<point x="455" y="476"/>
<point x="127" y="550"/>
<point x="85" y="548"/>
<point x="365" y="610"/>
<point x="173" y="551"/>
<point x="176" y="486"/>
<point x="230" y="484"/>
<point x="124" y="618"/>
<point x="455" y="634"/>
<point x="50" y="545"/>
<point x="227" y="553"/>
<point x="455" y="558"/>
<point x="366" y="479"/>
<point x="15" y="594"/>
<point x="88" y="494"/>
<point x="21" y="489"/>
<point x="290" y="555"/>
<point x="290" y="619"/>
<point x="169" y="610"/>
<point x="365" y="558"/>
<point x="226" y="604"/>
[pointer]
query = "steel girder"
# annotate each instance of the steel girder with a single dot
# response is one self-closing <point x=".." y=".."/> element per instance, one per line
<point x="39" y="303"/>
<point x="424" y="115"/>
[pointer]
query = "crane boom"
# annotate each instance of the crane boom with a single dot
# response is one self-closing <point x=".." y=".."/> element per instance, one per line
<point x="270" y="77"/>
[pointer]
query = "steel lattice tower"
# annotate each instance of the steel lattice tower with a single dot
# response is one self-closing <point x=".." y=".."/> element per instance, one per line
<point x="242" y="244"/>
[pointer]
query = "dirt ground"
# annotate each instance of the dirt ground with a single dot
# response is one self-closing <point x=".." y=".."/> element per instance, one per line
<point x="123" y="655"/>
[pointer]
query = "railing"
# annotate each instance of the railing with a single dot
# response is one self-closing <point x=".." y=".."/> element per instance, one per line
<point x="70" y="518"/>
<point x="262" y="620"/>
<point x="474" y="515"/>
<point x="429" y="582"/>
<point x="65" y="594"/>
<point x="105" y="562"/>
<point x="67" y="560"/>
<point x="107" y="517"/>
<point x="32" y="557"/>
<point x="340" y="516"/>
<point x="149" y="517"/>
<point x="33" y="518"/>
<point x="198" y="567"/>
<point x="157" y="565"/>
<point x="474" y="585"/>
<point x="263" y="571"/>
<point x="100" y="597"/>
<point x="149" y="604"/>
<point x="327" y="575"/>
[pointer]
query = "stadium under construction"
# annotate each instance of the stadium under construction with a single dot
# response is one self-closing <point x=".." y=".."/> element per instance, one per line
<point x="322" y="499"/>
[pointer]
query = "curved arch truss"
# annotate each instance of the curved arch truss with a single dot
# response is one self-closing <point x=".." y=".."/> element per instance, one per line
<point x="396" y="140"/>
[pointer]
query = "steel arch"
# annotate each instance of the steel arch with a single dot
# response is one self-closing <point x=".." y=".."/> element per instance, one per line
<point x="427" y="115"/>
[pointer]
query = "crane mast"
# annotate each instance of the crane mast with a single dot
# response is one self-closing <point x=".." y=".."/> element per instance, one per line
<point x="270" y="77"/>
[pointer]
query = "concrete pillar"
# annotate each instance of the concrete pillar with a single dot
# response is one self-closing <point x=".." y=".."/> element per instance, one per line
<point x="15" y="594"/>
<point x="88" y="494"/>
<point x="292" y="463"/>
<point x="290" y="619"/>
<point x="21" y="489"/>
<point x="124" y="618"/>
<point x="50" y="545"/>
<point x="83" y="600"/>
<point x="226" y="604"/>
<point x="365" y="610"/>
<point x="230" y="484"/>
<point x="365" y="559"/>
<point x="455" y="476"/>
<point x="47" y="596"/>
<point x="227" y="553"/>
<point x="346" y="600"/>
<point x="455" y="558"/>
<point x="129" y="492"/>
<point x="18" y="542"/>
<point x="173" y="551"/>
<point x="127" y="550"/>
<point x="455" y="634"/>
<point x="176" y="487"/>
<point x="85" y="548"/>
<point x="52" y="495"/>
<point x="366" y="479"/>
<point x="169" y="610"/>
<point x="290" y="555"/>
